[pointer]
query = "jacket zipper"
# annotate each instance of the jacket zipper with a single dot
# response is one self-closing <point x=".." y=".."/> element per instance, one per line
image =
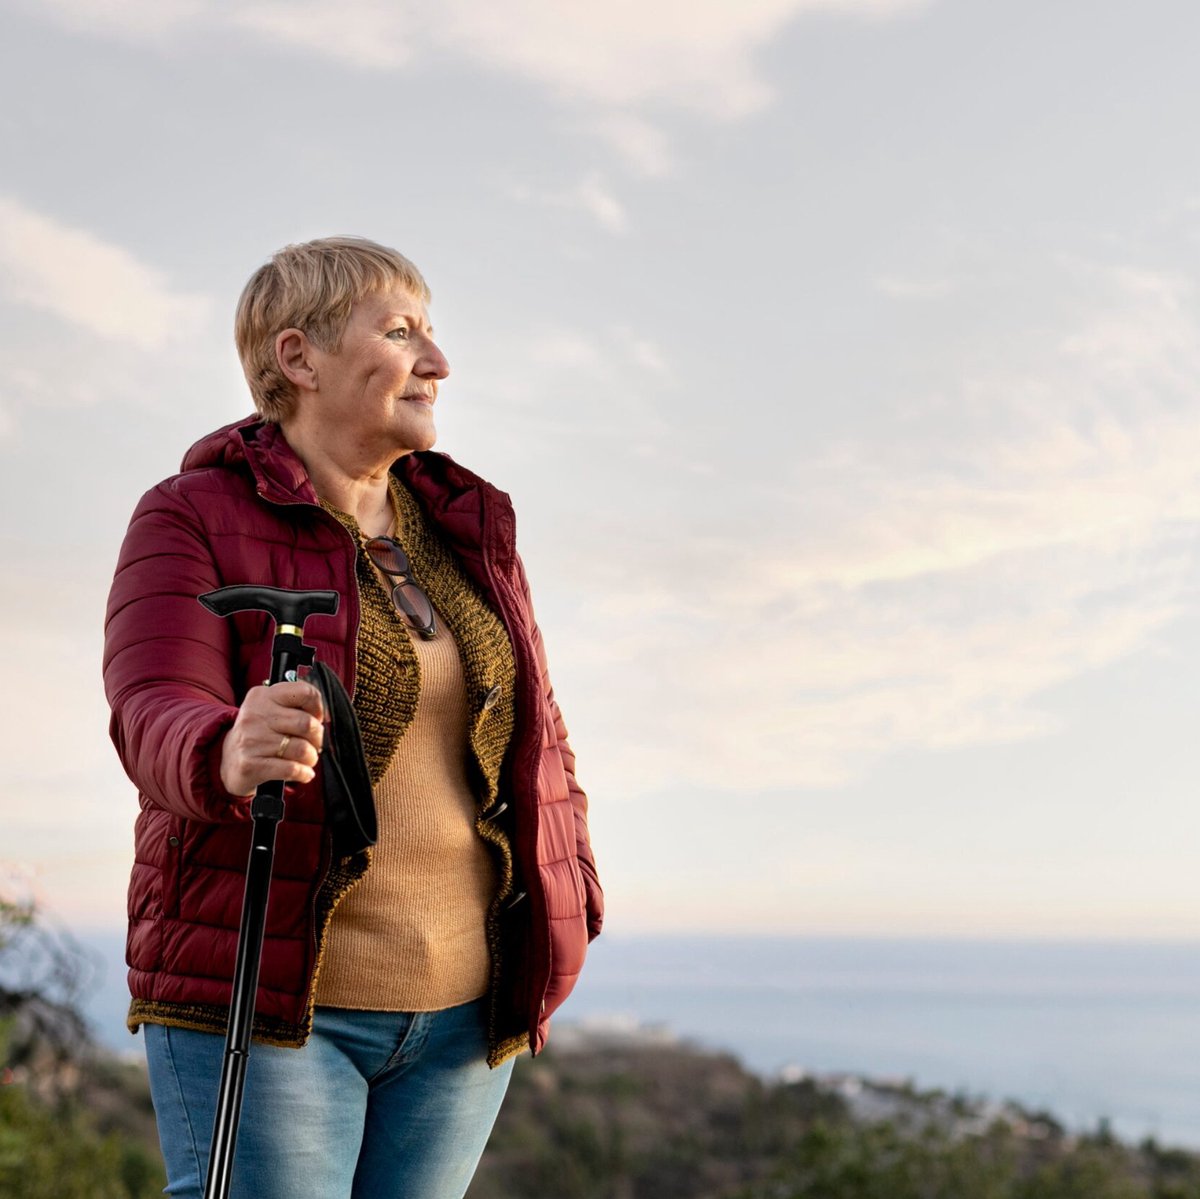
<point x="315" y="936"/>
<point x="535" y="1003"/>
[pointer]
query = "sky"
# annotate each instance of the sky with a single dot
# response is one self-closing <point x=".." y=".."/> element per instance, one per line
<point x="841" y="359"/>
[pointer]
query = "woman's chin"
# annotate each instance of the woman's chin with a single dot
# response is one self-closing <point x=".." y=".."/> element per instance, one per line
<point x="416" y="434"/>
<point x="427" y="442"/>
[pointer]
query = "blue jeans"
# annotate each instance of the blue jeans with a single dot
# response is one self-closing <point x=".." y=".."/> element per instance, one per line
<point x="377" y="1105"/>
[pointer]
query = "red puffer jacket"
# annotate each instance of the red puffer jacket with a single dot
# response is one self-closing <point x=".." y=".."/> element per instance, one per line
<point x="244" y="511"/>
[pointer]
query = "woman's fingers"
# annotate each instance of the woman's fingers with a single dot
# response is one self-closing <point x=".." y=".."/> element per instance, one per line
<point x="302" y="696"/>
<point x="277" y="735"/>
<point x="290" y="710"/>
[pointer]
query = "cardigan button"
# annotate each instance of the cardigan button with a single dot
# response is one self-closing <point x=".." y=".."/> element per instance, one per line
<point x="172" y="841"/>
<point x="493" y="698"/>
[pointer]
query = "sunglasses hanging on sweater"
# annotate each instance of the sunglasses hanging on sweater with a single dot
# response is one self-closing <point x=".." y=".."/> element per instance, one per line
<point x="411" y="602"/>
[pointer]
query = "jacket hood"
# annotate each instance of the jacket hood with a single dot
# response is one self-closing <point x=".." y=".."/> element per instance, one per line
<point x="222" y="448"/>
<point x="259" y="447"/>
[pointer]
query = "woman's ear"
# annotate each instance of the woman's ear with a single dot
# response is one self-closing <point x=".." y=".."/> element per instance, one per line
<point x="297" y="358"/>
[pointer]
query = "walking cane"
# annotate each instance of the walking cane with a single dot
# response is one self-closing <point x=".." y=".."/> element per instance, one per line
<point x="290" y="610"/>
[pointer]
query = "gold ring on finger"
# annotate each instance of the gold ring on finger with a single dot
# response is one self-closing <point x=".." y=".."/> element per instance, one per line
<point x="283" y="746"/>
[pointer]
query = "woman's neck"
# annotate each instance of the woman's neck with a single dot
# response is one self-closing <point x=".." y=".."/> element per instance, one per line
<point x="352" y="482"/>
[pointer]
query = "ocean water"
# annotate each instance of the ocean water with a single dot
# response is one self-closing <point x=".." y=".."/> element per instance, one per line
<point x="1086" y="1030"/>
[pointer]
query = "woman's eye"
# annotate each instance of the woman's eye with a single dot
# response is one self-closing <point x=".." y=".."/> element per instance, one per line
<point x="401" y="333"/>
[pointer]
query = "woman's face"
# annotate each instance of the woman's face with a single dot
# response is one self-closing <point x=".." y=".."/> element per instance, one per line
<point x="379" y="389"/>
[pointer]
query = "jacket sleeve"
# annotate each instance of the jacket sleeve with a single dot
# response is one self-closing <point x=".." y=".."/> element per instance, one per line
<point x="579" y="804"/>
<point x="167" y="662"/>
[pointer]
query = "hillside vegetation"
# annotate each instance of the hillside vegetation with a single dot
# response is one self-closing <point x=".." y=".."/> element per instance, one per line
<point x="75" y="1121"/>
<point x="628" y="1120"/>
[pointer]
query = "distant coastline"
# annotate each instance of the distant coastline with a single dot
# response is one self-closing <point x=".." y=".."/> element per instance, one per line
<point x="1091" y="1030"/>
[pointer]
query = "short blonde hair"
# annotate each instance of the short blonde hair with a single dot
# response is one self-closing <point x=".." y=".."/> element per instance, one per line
<point x="310" y="286"/>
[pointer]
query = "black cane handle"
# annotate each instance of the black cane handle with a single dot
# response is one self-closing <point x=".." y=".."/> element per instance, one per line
<point x="291" y="608"/>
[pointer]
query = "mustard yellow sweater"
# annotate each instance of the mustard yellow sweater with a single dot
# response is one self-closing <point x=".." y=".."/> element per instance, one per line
<point x="437" y="715"/>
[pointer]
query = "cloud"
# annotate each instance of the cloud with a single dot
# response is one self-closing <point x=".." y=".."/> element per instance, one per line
<point x="56" y="716"/>
<point x="914" y="287"/>
<point x="924" y="596"/>
<point x="591" y="197"/>
<point x="131" y="20"/>
<point x="607" y="387"/>
<point x="375" y="35"/>
<point x="647" y="356"/>
<point x="697" y="56"/>
<point x="93" y="284"/>
<point x="616" y="67"/>
<point x="744" y="683"/>
<point x="563" y="350"/>
<point x="91" y="326"/>
<point x="594" y="197"/>
<point x="1153" y="322"/>
<point x="641" y="145"/>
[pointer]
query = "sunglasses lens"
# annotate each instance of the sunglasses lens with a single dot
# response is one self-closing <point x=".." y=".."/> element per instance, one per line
<point x="388" y="556"/>
<point x="406" y="595"/>
<point x="415" y="604"/>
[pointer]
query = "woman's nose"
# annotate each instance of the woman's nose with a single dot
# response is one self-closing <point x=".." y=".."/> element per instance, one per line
<point x="433" y="364"/>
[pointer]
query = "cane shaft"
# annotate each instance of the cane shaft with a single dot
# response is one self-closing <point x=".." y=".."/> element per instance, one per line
<point x="288" y="653"/>
<point x="241" y="1012"/>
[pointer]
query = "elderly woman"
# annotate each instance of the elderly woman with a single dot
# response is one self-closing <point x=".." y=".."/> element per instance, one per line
<point x="399" y="982"/>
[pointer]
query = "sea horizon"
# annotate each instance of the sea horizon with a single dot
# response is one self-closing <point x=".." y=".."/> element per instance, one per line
<point x="1088" y="1029"/>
